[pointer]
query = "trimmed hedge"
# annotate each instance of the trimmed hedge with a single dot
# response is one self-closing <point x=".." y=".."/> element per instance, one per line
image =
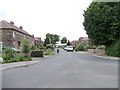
<point x="37" y="54"/>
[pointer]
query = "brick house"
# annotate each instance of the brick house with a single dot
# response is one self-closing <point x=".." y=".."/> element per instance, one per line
<point x="12" y="36"/>
<point x="84" y="40"/>
<point x="75" y="42"/>
<point x="38" y="41"/>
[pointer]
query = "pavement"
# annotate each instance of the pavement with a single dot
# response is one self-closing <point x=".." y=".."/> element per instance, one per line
<point x="101" y="56"/>
<point x="66" y="70"/>
<point x="37" y="60"/>
<point x="19" y="64"/>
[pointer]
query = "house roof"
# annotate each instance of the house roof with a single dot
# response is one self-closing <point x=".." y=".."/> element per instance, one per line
<point x="7" y="25"/>
<point x="83" y="38"/>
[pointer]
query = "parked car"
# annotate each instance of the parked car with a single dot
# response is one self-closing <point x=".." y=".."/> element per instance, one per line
<point x="69" y="48"/>
<point x="65" y="48"/>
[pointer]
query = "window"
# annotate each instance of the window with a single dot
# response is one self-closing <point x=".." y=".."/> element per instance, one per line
<point x="13" y="34"/>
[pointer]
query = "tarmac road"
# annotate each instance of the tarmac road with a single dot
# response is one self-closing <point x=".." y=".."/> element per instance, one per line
<point x="65" y="70"/>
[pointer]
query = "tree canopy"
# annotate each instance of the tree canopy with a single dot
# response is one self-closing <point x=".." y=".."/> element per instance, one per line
<point x="64" y="40"/>
<point x="51" y="38"/>
<point x="102" y="22"/>
<point x="68" y="43"/>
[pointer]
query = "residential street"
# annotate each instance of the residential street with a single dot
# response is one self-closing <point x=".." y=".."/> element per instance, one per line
<point x="64" y="70"/>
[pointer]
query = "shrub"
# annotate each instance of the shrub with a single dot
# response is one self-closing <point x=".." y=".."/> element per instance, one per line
<point x="42" y="47"/>
<point x="37" y="54"/>
<point x="113" y="50"/>
<point x="33" y="48"/>
<point x="25" y="46"/>
<point x="88" y="47"/>
<point x="80" y="47"/>
<point x="5" y="57"/>
<point x="50" y="46"/>
<point x="9" y="53"/>
<point x="17" y="59"/>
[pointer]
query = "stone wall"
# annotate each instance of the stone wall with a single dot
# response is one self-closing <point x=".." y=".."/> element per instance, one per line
<point x="7" y="38"/>
<point x="18" y="37"/>
<point x="97" y="51"/>
<point x="0" y="35"/>
<point x="12" y="38"/>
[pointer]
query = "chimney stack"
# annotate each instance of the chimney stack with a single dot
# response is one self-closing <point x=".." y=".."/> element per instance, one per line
<point x="11" y="22"/>
<point x="21" y="27"/>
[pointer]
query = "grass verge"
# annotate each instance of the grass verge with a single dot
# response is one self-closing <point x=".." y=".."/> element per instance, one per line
<point x="51" y="53"/>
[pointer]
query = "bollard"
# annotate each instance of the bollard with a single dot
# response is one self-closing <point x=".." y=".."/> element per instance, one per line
<point x="57" y="50"/>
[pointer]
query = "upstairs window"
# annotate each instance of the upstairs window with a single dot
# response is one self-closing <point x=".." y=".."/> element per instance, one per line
<point x="13" y="34"/>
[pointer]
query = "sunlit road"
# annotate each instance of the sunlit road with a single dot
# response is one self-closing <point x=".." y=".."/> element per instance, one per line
<point x="66" y="70"/>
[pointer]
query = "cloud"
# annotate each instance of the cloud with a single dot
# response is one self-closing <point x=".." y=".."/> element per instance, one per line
<point x="38" y="17"/>
<point x="2" y="13"/>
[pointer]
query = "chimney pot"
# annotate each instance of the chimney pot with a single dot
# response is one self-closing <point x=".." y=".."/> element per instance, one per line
<point x="11" y="22"/>
<point x="21" y="27"/>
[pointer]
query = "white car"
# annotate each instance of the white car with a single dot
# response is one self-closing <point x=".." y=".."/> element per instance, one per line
<point x="69" y="48"/>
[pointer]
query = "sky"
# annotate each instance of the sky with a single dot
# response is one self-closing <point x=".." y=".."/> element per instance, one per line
<point x="38" y="17"/>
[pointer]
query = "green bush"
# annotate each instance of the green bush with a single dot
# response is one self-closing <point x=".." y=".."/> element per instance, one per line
<point x="113" y="50"/>
<point x="8" y="53"/>
<point x="25" y="46"/>
<point x="33" y="48"/>
<point x="80" y="47"/>
<point x="50" y="46"/>
<point x="88" y="47"/>
<point x="17" y="59"/>
<point x="42" y="47"/>
<point x="5" y="57"/>
<point x="37" y="54"/>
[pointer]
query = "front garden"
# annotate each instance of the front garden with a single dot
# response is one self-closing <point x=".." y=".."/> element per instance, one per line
<point x="9" y="55"/>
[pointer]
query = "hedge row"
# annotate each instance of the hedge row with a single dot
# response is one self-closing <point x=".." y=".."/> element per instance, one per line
<point x="37" y="54"/>
<point x="16" y="59"/>
<point x="113" y="50"/>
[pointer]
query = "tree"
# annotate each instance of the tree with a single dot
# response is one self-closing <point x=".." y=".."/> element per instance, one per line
<point x="51" y="38"/>
<point x="25" y="46"/>
<point x="56" y="38"/>
<point x="102" y="22"/>
<point x="68" y="43"/>
<point x="64" y="40"/>
<point x="47" y="41"/>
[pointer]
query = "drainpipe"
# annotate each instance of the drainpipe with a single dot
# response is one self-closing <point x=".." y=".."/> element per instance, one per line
<point x="1" y="46"/>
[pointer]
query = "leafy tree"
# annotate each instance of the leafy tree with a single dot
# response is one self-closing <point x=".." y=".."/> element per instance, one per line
<point x="51" y="38"/>
<point x="47" y="41"/>
<point x="68" y="43"/>
<point x="64" y="40"/>
<point x="102" y="22"/>
<point x="25" y="46"/>
<point x="56" y="38"/>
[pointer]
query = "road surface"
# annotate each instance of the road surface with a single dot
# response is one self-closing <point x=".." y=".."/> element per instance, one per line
<point x="65" y="70"/>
